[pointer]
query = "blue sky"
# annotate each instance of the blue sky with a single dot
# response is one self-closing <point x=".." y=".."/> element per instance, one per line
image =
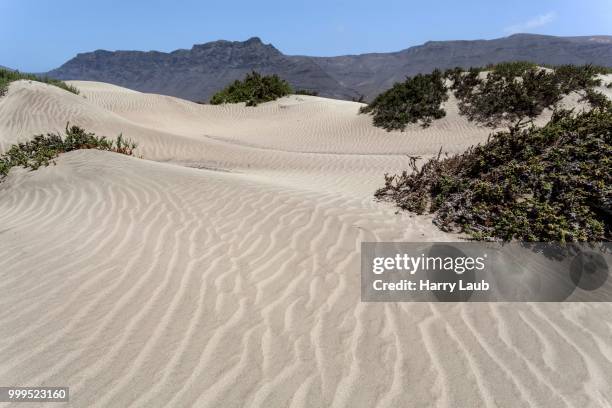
<point x="40" y="35"/>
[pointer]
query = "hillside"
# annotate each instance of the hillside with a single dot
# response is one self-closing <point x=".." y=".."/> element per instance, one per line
<point x="369" y="74"/>
<point x="196" y="74"/>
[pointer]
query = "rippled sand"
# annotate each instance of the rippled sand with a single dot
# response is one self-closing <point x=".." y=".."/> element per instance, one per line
<point x="222" y="268"/>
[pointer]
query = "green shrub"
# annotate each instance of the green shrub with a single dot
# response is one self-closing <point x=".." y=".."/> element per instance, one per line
<point x="463" y="82"/>
<point x="511" y="69"/>
<point x="8" y="76"/>
<point x="41" y="150"/>
<point x="552" y="183"/>
<point x="573" y="78"/>
<point x="254" y="90"/>
<point x="602" y="70"/>
<point x="514" y="94"/>
<point x="307" y="92"/>
<point x="596" y="99"/>
<point x="418" y="99"/>
<point x="511" y="94"/>
<point x="506" y="100"/>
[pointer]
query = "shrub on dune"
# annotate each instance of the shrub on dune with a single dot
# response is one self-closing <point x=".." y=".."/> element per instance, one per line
<point x="418" y="99"/>
<point x="8" y="76"/>
<point x="499" y="99"/>
<point x="511" y="69"/>
<point x="576" y="78"/>
<point x="253" y="90"/>
<point x="596" y="99"/>
<point x="307" y="92"/>
<point x="509" y="93"/>
<point x="538" y="184"/>
<point x="42" y="149"/>
<point x="550" y="183"/>
<point x="514" y="95"/>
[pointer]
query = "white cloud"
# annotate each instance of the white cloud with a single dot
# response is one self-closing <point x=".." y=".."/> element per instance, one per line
<point x="528" y="25"/>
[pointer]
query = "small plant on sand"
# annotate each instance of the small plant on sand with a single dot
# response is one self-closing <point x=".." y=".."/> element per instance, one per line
<point x="42" y="149"/>
<point x="361" y="98"/>
<point x="511" y="69"/>
<point x="596" y="99"/>
<point x="418" y="99"/>
<point x="7" y="76"/>
<point x="307" y="92"/>
<point x="253" y="90"/>
<point x="574" y="78"/>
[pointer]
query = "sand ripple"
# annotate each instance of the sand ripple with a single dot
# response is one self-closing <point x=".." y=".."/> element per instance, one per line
<point x="145" y="283"/>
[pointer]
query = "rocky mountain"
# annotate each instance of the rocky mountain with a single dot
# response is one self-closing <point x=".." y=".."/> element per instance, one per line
<point x="198" y="73"/>
<point x="371" y="73"/>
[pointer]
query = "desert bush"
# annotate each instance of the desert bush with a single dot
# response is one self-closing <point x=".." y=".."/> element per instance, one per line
<point x="573" y="78"/>
<point x="552" y="183"/>
<point x="463" y="82"/>
<point x="511" y="69"/>
<point x="8" y="76"/>
<point x="306" y="92"/>
<point x="418" y="99"/>
<point x="596" y="99"/>
<point x="360" y="99"/>
<point x="599" y="69"/>
<point x="513" y="94"/>
<point x="253" y="90"/>
<point x="42" y="149"/>
<point x="506" y="100"/>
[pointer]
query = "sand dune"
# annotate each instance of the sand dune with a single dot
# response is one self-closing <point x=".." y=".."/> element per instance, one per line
<point x="223" y="268"/>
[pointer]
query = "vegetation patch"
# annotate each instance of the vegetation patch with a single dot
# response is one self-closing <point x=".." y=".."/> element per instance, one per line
<point x="306" y="92"/>
<point x="8" y="76"/>
<point x="597" y="99"/>
<point x="573" y="78"/>
<point x="505" y="100"/>
<point x="514" y="94"/>
<point x="253" y="90"/>
<point x="550" y="183"/>
<point x="418" y="99"/>
<point x="538" y="184"/>
<point x="44" y="148"/>
<point x="508" y="94"/>
<point x="511" y="69"/>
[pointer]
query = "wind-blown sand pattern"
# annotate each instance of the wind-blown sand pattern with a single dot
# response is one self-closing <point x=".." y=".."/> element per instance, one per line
<point x="222" y="270"/>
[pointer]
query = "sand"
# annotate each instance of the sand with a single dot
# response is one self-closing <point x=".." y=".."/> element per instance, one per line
<point x="222" y="268"/>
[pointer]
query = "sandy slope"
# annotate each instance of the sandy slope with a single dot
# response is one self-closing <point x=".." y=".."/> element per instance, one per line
<point x="235" y="281"/>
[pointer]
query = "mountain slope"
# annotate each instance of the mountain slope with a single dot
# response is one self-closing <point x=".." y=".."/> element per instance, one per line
<point x="372" y="73"/>
<point x="196" y="74"/>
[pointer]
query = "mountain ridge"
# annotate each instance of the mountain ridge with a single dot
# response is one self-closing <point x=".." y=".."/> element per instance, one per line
<point x="197" y="73"/>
